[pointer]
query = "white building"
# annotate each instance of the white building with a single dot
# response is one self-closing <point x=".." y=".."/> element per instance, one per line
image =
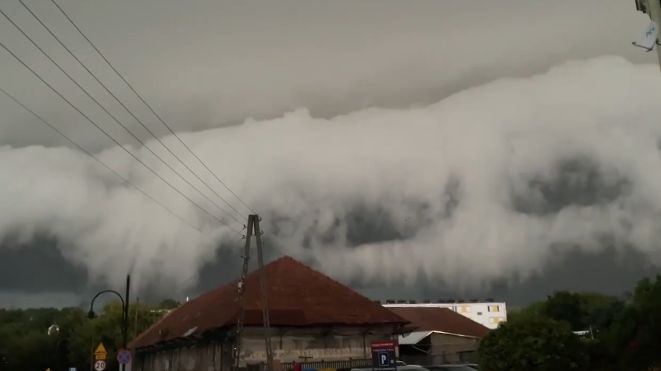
<point x="488" y="314"/>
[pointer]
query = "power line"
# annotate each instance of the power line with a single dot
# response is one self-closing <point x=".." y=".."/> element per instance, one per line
<point x="50" y="31"/>
<point x="99" y="161"/>
<point x="2" y="45"/>
<point x="169" y="127"/>
<point x="115" y="118"/>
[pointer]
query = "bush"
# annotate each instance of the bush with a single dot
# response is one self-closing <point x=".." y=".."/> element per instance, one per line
<point x="532" y="343"/>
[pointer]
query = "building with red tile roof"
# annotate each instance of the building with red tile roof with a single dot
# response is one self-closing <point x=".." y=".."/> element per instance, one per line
<point x="440" y="319"/>
<point x="438" y="336"/>
<point x="313" y="317"/>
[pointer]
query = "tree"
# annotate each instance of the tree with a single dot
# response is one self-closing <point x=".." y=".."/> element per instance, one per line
<point x="532" y="343"/>
<point x="168" y="304"/>
<point x="24" y="334"/>
<point x="566" y="306"/>
<point x="639" y="328"/>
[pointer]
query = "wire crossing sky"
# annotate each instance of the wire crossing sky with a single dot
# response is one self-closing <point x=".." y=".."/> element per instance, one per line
<point x="397" y="145"/>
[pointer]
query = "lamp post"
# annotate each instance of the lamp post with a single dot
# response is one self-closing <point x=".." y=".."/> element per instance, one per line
<point x="125" y="310"/>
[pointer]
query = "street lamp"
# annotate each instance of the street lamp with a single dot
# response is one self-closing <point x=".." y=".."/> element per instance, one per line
<point x="53" y="329"/>
<point x="125" y="310"/>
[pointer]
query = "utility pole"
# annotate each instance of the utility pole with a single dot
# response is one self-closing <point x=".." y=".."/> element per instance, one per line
<point x="252" y="228"/>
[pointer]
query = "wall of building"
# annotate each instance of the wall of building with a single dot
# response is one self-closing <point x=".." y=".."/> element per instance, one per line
<point x="198" y="357"/>
<point x="289" y="345"/>
<point x="487" y="314"/>
<point x="438" y="349"/>
<point x="313" y="344"/>
<point x="451" y="349"/>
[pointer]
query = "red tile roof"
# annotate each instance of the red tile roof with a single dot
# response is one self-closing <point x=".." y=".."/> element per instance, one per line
<point x="440" y="319"/>
<point x="297" y="295"/>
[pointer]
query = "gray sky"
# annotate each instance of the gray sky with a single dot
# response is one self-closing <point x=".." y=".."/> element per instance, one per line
<point x="212" y="63"/>
<point x="388" y="143"/>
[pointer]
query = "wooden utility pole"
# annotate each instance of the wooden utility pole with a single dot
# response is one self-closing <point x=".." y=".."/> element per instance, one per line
<point x="252" y="228"/>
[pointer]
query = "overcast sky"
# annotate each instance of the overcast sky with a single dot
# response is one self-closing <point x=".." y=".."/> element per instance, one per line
<point x="435" y="148"/>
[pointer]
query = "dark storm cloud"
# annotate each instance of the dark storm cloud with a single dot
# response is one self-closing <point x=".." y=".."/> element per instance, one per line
<point x="523" y="173"/>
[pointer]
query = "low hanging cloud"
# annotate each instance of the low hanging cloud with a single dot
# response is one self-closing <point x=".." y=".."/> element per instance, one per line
<point x="489" y="183"/>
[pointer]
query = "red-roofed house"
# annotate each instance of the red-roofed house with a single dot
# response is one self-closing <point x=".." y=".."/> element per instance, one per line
<point x="438" y="336"/>
<point x="313" y="318"/>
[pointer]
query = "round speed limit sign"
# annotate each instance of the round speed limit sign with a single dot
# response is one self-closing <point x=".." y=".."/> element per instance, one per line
<point x="100" y="365"/>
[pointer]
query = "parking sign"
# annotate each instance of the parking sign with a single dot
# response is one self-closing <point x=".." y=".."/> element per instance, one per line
<point x="383" y="355"/>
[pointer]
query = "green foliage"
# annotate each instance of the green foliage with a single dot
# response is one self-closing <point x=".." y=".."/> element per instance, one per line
<point x="622" y="336"/>
<point x="26" y="345"/>
<point x="581" y="311"/>
<point x="640" y="325"/>
<point x="567" y="307"/>
<point x="532" y="343"/>
<point x="168" y="304"/>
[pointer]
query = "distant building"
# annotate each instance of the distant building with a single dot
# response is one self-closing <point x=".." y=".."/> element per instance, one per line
<point x="488" y="314"/>
<point x="314" y="320"/>
<point x="438" y="336"/>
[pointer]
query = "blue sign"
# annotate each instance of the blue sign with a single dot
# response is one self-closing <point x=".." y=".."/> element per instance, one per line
<point x="384" y="358"/>
<point x="383" y="355"/>
<point x="123" y="356"/>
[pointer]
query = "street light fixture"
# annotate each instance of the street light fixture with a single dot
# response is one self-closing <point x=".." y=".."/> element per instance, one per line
<point x="125" y="310"/>
<point x="53" y="329"/>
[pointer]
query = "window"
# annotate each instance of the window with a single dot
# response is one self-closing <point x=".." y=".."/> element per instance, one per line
<point x="464" y="309"/>
<point x="494" y="308"/>
<point x="479" y="313"/>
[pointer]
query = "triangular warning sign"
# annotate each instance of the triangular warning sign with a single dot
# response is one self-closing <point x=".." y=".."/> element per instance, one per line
<point x="100" y="352"/>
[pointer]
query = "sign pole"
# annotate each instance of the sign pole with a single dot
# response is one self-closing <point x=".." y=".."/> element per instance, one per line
<point x="100" y="355"/>
<point x="125" y="325"/>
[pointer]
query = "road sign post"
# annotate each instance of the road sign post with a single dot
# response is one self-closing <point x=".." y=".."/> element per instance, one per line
<point x="100" y="365"/>
<point x="123" y="357"/>
<point x="383" y="355"/>
<point x="100" y="354"/>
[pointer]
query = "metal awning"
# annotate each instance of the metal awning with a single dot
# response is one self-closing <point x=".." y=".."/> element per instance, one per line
<point x="415" y="337"/>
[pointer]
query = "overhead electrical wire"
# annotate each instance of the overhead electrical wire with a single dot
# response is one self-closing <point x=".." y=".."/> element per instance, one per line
<point x="98" y="160"/>
<point x="109" y="114"/>
<point x="50" y="31"/>
<point x="3" y="46"/>
<point x="141" y="98"/>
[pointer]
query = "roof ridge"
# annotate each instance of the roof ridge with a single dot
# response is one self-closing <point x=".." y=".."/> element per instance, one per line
<point x="343" y="286"/>
<point x="289" y="279"/>
<point x="228" y="284"/>
<point x="328" y="278"/>
<point x="151" y="327"/>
